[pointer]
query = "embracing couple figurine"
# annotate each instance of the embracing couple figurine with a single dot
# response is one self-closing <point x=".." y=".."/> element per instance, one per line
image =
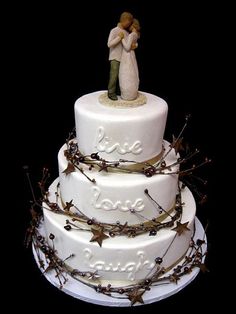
<point x="123" y="65"/>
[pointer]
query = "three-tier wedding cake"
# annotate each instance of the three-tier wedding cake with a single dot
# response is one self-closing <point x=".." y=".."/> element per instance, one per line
<point x="118" y="197"/>
<point x="117" y="223"/>
<point x="118" y="219"/>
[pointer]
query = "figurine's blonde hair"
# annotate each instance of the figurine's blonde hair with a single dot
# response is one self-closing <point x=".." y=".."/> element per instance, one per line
<point x="125" y="16"/>
<point x="136" y="25"/>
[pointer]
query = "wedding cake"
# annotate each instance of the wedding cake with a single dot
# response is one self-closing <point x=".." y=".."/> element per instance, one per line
<point x="118" y="221"/>
<point x="118" y="215"/>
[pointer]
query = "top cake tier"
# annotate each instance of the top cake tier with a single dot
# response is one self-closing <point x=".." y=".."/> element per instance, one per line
<point x="132" y="133"/>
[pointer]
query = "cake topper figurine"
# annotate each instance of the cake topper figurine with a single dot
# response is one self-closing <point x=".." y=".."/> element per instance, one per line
<point x="122" y="41"/>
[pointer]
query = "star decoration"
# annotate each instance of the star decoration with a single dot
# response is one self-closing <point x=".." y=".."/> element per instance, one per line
<point x="203" y="199"/>
<point x="174" y="278"/>
<point x="103" y="166"/>
<point x="177" y="144"/>
<point x="180" y="228"/>
<point x="93" y="276"/>
<point x="203" y="268"/>
<point x="41" y="264"/>
<point x="98" y="236"/>
<point x="124" y="226"/>
<point x="50" y="267"/>
<point x="68" y="205"/>
<point x="136" y="296"/>
<point x="70" y="168"/>
<point x="34" y="214"/>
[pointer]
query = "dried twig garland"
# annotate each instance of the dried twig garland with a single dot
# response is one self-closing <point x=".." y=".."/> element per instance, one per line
<point x="76" y="220"/>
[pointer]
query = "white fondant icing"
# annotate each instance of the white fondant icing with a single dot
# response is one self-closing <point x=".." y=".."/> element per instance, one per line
<point x="104" y="144"/>
<point x="115" y="194"/>
<point x="136" y="132"/>
<point x="120" y="260"/>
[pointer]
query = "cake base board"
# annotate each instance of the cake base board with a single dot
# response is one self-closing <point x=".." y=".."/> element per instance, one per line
<point x="81" y="291"/>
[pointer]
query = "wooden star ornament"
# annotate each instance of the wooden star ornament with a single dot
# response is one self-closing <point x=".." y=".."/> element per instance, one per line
<point x="136" y="296"/>
<point x="177" y="144"/>
<point x="203" y="268"/>
<point x="174" y="278"/>
<point x="203" y="200"/>
<point x="50" y="267"/>
<point x="180" y="228"/>
<point x="94" y="275"/>
<point x="103" y="167"/>
<point x="98" y="236"/>
<point x="70" y="168"/>
<point x="68" y="205"/>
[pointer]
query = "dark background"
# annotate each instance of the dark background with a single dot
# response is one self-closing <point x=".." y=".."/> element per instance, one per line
<point x="57" y="54"/>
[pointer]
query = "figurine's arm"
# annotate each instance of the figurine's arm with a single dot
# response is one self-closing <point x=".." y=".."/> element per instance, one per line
<point x="114" y="39"/>
<point x="128" y="43"/>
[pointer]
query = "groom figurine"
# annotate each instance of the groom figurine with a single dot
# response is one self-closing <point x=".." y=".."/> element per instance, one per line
<point x="115" y="45"/>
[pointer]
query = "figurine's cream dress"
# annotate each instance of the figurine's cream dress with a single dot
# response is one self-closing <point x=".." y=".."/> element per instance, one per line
<point x="128" y="73"/>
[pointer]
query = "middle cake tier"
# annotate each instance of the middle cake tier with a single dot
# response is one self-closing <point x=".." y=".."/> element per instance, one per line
<point x="117" y="196"/>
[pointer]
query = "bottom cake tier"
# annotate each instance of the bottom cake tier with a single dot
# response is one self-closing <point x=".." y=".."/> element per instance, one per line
<point x="158" y="290"/>
<point x="120" y="260"/>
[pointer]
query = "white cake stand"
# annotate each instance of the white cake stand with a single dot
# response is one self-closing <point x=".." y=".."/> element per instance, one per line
<point x="157" y="293"/>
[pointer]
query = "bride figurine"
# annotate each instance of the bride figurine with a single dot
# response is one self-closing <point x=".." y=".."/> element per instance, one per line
<point x="128" y="72"/>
